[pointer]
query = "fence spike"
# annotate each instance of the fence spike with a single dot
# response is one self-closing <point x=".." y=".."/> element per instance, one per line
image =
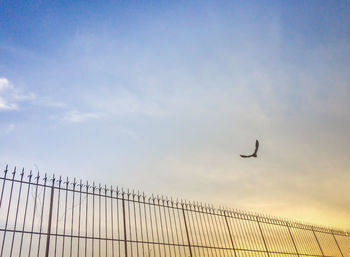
<point x="5" y="171"/>
<point x="80" y="184"/>
<point x="59" y="181"/>
<point x="22" y="174"/>
<point x="128" y="194"/>
<point x="87" y="185"/>
<point x="45" y="178"/>
<point x="66" y="182"/>
<point x="37" y="176"/>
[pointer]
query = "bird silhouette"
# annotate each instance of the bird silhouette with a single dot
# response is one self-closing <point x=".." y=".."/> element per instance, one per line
<point x="255" y="152"/>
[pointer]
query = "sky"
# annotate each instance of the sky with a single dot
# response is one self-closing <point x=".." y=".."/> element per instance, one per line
<point x="163" y="96"/>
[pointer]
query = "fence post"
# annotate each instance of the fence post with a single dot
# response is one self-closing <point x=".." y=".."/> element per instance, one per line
<point x="188" y="237"/>
<point x="229" y="232"/>
<point x="262" y="235"/>
<point x="313" y="231"/>
<point x="50" y="218"/>
<point x="291" y="236"/>
<point x="3" y="185"/>
<point x="124" y="221"/>
<point x="337" y="244"/>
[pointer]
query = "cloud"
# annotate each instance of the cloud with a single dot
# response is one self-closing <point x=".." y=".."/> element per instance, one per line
<point x="11" y="97"/>
<point x="78" y="117"/>
<point x="6" y="87"/>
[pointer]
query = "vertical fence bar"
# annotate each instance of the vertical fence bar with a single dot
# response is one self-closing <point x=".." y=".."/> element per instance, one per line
<point x="17" y="208"/>
<point x="229" y="232"/>
<point x="141" y="225"/>
<point x="175" y="224"/>
<point x="124" y="223"/>
<point x="93" y="217"/>
<point x="35" y="201"/>
<point x="25" y="211"/>
<point x="65" y="215"/>
<point x="129" y="222"/>
<point x="161" y="224"/>
<point x="218" y="226"/>
<point x="337" y="244"/>
<point x="156" y="223"/>
<point x="291" y="236"/>
<point x="105" y="196"/>
<point x="166" y="223"/>
<point x="112" y="217"/>
<point x="134" y="208"/>
<point x="318" y="243"/>
<point x="191" y="228"/>
<point x="262" y="235"/>
<point x="8" y="212"/>
<point x="146" y="226"/>
<point x="42" y="214"/>
<point x="79" y="217"/>
<point x="207" y="227"/>
<point x="86" y="215"/>
<point x="212" y="228"/>
<point x="50" y="218"/>
<point x="179" y="219"/>
<point x="99" y="220"/>
<point x="72" y="221"/>
<point x="195" y="212"/>
<point x="151" y="223"/>
<point x="169" y="206"/>
<point x="200" y="214"/>
<point x="58" y="211"/>
<point x="3" y="185"/>
<point x="118" y="225"/>
<point x="188" y="238"/>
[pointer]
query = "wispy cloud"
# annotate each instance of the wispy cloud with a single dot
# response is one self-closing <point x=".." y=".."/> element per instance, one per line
<point x="78" y="117"/>
<point x="11" y="97"/>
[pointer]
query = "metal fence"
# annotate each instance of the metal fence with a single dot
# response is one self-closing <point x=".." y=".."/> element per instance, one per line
<point x="42" y="216"/>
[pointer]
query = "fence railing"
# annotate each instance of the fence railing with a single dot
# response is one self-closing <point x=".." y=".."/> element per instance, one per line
<point x="48" y="216"/>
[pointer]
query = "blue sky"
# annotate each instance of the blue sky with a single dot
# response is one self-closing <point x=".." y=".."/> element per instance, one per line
<point x="164" y="96"/>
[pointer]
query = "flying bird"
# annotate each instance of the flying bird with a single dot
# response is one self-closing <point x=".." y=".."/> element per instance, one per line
<point x="255" y="152"/>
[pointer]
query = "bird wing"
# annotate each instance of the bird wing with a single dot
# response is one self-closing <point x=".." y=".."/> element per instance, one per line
<point x="256" y="147"/>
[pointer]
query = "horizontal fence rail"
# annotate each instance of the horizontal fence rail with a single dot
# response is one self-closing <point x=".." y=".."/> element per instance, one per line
<point x="42" y="216"/>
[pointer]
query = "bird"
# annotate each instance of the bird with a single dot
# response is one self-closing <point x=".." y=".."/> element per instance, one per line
<point x="255" y="152"/>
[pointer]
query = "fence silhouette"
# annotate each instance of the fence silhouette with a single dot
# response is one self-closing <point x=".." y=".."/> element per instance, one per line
<point x="42" y="216"/>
